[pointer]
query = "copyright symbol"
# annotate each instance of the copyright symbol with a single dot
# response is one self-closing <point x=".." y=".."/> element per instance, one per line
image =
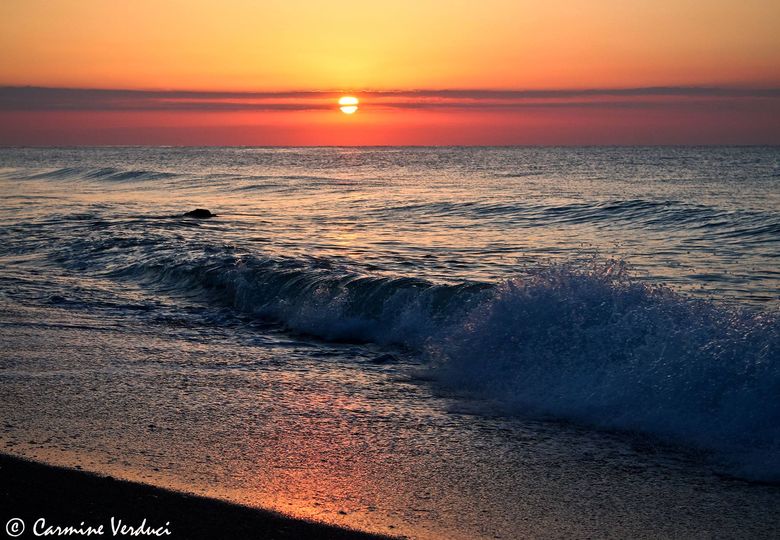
<point x="14" y="527"/>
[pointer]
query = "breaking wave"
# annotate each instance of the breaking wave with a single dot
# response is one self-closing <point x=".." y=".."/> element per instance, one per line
<point x="589" y="344"/>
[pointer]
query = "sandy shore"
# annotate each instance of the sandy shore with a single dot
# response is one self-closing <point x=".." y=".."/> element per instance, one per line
<point x="65" y="498"/>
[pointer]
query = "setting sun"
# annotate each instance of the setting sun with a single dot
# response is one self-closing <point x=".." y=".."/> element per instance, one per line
<point x="348" y="104"/>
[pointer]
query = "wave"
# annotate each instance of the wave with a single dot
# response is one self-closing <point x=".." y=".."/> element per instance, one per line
<point x="315" y="296"/>
<point x="663" y="215"/>
<point x="226" y="181"/>
<point x="602" y="348"/>
<point x="710" y="222"/>
<point x="590" y="344"/>
<point x="104" y="173"/>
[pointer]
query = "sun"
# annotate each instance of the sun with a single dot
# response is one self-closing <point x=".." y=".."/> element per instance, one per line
<point x="348" y="104"/>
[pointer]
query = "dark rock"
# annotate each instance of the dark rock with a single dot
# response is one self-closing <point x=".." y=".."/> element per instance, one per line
<point x="199" y="213"/>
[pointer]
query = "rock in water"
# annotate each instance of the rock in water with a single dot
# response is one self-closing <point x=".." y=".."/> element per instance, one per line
<point x="200" y="213"/>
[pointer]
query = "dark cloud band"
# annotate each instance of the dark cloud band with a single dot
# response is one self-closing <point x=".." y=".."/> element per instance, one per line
<point x="28" y="98"/>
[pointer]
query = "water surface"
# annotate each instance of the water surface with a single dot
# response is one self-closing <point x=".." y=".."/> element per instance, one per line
<point x="436" y="342"/>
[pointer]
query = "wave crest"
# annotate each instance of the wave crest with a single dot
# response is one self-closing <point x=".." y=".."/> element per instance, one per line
<point x="105" y="173"/>
<point x="599" y="347"/>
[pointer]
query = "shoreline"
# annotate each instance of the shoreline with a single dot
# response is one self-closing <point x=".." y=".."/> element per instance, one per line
<point x="65" y="498"/>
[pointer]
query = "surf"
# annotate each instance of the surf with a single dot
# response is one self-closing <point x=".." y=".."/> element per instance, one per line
<point x="588" y="343"/>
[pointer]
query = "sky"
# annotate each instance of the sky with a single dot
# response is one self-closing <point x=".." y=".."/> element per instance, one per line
<point x="240" y="72"/>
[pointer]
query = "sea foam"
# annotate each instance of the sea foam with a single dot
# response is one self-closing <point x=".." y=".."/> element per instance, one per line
<point x="599" y="347"/>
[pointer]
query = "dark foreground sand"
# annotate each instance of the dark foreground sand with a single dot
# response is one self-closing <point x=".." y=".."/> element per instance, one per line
<point x="66" y="497"/>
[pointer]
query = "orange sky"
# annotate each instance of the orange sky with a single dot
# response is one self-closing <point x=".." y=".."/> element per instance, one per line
<point x="359" y="47"/>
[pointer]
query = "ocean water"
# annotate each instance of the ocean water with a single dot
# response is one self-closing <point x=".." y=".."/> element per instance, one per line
<point x="434" y="342"/>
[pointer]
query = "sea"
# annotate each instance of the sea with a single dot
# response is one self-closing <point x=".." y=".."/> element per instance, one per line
<point x="444" y="342"/>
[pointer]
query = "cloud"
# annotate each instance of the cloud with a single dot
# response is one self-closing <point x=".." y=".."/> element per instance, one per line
<point x="650" y="91"/>
<point x="30" y="98"/>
